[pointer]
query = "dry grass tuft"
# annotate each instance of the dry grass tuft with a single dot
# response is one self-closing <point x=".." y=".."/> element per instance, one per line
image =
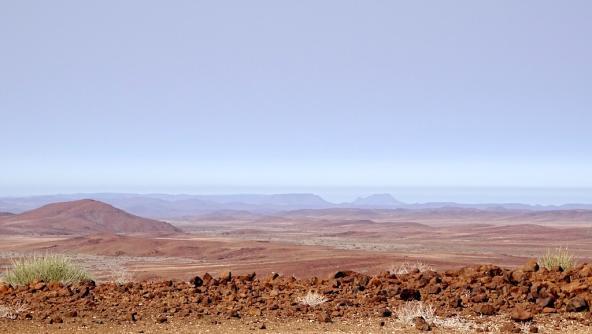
<point x="415" y="309"/>
<point x="312" y="299"/>
<point x="118" y="274"/>
<point x="12" y="312"/>
<point x="559" y="257"/>
<point x="412" y="310"/>
<point x="408" y="267"/>
<point x="46" y="268"/>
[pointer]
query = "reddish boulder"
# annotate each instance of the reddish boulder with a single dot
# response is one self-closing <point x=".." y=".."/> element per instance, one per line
<point x="576" y="304"/>
<point x="521" y="315"/>
<point x="531" y="266"/>
<point x="485" y="309"/>
<point x="421" y="324"/>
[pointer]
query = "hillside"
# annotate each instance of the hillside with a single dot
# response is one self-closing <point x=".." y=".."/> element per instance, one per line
<point x="81" y="217"/>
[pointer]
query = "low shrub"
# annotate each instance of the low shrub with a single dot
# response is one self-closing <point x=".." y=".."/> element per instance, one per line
<point x="409" y="267"/>
<point x="46" y="268"/>
<point x="560" y="257"/>
<point x="312" y="299"/>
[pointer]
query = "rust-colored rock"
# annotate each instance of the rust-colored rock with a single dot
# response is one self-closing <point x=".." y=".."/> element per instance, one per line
<point x="531" y="266"/>
<point x="485" y="309"/>
<point x="481" y="290"/>
<point x="324" y="317"/>
<point x="521" y="315"/>
<point x="576" y="304"/>
<point x="421" y="324"/>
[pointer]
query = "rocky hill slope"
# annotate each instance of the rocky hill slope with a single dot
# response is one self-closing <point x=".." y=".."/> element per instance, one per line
<point x="81" y="217"/>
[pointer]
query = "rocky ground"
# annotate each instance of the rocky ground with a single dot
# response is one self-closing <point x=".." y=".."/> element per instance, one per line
<point x="472" y="299"/>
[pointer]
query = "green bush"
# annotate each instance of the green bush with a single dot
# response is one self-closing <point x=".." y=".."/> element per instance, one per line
<point x="559" y="257"/>
<point x="47" y="268"/>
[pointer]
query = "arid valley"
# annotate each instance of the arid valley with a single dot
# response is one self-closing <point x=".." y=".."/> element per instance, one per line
<point x="303" y="243"/>
<point x="295" y="244"/>
<point x="308" y="167"/>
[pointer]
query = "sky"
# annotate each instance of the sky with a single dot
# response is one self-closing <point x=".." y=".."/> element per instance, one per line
<point x="155" y="96"/>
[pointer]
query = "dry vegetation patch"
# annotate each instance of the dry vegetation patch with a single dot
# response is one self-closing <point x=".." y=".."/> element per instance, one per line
<point x="12" y="312"/>
<point x="312" y="298"/>
<point x="409" y="312"/>
<point x="559" y="257"/>
<point x="46" y="268"/>
<point x="410" y="267"/>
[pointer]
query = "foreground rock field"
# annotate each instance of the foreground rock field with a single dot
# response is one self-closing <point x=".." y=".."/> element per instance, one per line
<point x="473" y="299"/>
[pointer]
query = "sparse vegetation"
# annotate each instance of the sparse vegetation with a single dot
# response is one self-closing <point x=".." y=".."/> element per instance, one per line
<point x="46" y="268"/>
<point x="312" y="299"/>
<point x="417" y="309"/>
<point x="559" y="257"/>
<point x="412" y="310"/>
<point x="408" y="267"/>
<point x="12" y="312"/>
<point x="118" y="274"/>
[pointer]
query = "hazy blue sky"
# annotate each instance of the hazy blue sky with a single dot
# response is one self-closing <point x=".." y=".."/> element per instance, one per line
<point x="157" y="95"/>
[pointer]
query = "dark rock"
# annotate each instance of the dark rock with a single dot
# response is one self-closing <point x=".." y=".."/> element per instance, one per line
<point x="410" y="294"/>
<point x="341" y="274"/>
<point x="197" y="281"/>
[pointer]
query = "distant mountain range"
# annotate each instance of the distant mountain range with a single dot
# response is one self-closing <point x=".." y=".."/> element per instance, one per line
<point x="167" y="206"/>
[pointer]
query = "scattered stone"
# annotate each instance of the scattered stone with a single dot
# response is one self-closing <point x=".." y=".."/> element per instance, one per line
<point x="577" y="304"/>
<point x="421" y="324"/>
<point x="531" y="266"/>
<point x="225" y="277"/>
<point x="546" y="302"/>
<point x="410" y="294"/>
<point x="509" y="328"/>
<point x="482" y="290"/>
<point x="521" y="315"/>
<point x="485" y="309"/>
<point x="324" y="317"/>
<point x="197" y="281"/>
<point x="4" y="288"/>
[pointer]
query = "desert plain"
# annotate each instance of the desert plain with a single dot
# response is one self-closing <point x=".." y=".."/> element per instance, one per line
<point x="284" y="255"/>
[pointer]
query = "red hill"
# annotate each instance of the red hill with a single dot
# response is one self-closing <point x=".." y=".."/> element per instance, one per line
<point x="81" y="217"/>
